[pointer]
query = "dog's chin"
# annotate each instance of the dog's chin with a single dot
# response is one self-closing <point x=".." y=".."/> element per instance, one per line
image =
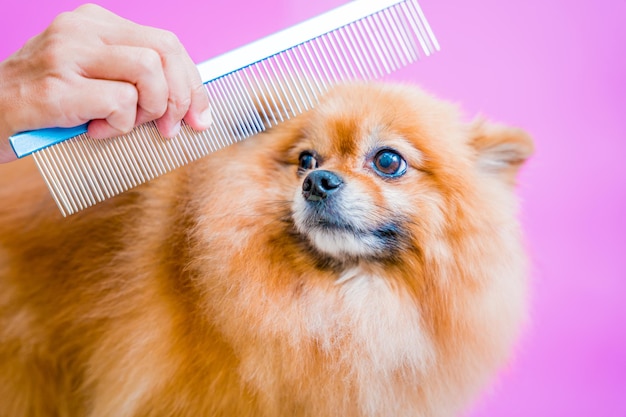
<point x="345" y="246"/>
<point x="344" y="240"/>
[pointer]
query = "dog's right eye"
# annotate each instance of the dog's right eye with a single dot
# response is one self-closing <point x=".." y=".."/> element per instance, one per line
<point x="307" y="161"/>
<point x="389" y="163"/>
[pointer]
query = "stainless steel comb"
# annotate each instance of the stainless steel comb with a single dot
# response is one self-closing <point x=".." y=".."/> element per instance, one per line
<point x="285" y="73"/>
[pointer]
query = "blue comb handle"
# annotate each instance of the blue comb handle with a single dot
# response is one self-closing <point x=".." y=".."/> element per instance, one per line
<point x="25" y="143"/>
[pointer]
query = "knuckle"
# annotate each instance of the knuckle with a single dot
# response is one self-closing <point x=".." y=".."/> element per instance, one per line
<point x="127" y="97"/>
<point x="122" y="105"/>
<point x="61" y="21"/>
<point x="88" y="8"/>
<point x="154" y="111"/>
<point x="178" y="105"/>
<point x="170" y="42"/>
<point x="66" y="23"/>
<point x="149" y="61"/>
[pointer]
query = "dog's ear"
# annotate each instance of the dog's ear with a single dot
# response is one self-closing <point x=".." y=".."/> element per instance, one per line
<point x="500" y="150"/>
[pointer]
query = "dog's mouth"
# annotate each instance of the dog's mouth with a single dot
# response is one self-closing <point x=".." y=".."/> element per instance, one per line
<point x="346" y="241"/>
<point x="335" y="224"/>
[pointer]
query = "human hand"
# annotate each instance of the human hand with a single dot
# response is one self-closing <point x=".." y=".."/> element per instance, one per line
<point x="92" y="65"/>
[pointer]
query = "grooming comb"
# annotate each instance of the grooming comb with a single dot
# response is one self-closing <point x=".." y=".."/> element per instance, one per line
<point x="285" y="73"/>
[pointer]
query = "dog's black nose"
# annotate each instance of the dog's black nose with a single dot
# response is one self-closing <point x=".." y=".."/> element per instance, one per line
<point x="319" y="184"/>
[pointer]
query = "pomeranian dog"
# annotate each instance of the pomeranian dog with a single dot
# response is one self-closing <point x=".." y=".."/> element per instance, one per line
<point x="362" y="259"/>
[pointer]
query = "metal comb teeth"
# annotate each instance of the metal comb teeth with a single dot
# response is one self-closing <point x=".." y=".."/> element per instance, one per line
<point x="245" y="100"/>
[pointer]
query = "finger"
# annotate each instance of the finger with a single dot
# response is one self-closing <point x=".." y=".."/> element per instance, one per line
<point x="199" y="114"/>
<point x="189" y="98"/>
<point x="110" y="105"/>
<point x="180" y="98"/>
<point x="135" y="65"/>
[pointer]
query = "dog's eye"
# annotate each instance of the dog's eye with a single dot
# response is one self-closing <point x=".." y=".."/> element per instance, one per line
<point x="389" y="163"/>
<point x="307" y="161"/>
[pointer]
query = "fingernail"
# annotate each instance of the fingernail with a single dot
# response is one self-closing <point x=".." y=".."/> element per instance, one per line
<point x="206" y="118"/>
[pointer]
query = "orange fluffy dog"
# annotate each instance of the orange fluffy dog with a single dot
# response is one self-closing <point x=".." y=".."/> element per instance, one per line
<point x="362" y="259"/>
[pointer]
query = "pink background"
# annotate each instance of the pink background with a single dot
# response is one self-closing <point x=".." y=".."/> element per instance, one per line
<point x="556" y="68"/>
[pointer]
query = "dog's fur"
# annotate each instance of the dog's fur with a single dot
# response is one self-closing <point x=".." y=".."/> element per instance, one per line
<point x="220" y="290"/>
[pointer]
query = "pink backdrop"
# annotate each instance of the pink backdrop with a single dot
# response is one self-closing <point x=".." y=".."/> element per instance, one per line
<point x="556" y="68"/>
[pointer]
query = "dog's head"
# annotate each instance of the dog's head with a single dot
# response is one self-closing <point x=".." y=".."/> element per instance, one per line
<point x="381" y="169"/>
